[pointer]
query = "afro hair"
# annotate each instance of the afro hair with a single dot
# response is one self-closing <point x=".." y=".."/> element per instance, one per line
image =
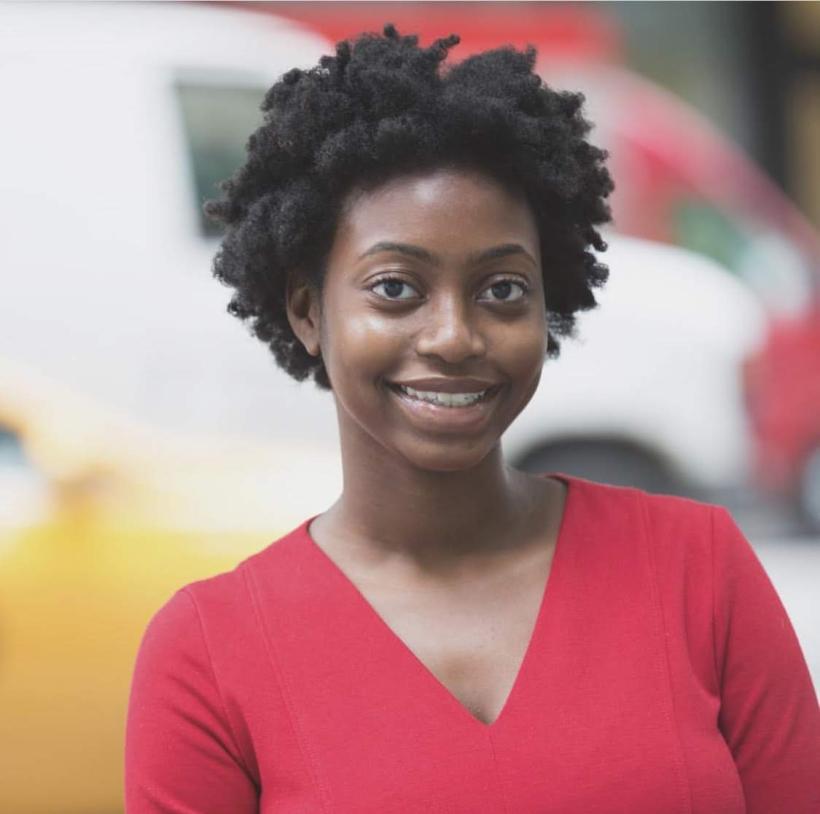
<point x="383" y="106"/>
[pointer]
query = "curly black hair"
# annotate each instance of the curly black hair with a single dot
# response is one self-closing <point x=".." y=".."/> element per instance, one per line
<point x="383" y="106"/>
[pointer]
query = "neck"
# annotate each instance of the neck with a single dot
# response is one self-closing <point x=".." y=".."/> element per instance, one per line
<point x="390" y="508"/>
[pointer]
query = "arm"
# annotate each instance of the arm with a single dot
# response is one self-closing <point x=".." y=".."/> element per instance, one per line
<point x="180" y="753"/>
<point x="769" y="714"/>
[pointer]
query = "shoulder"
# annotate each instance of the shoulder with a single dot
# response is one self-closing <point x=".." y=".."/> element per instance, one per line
<point x="668" y="550"/>
<point x="219" y="605"/>
<point x="678" y="534"/>
<point x="661" y="514"/>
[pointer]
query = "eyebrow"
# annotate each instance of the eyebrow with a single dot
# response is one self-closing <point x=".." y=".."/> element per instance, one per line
<point x="504" y="250"/>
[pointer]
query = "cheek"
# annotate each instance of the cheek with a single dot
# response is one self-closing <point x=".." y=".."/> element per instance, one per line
<point x="524" y="349"/>
<point x="364" y="343"/>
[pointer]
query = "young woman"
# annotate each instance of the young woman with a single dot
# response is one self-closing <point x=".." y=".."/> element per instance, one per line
<point x="452" y="635"/>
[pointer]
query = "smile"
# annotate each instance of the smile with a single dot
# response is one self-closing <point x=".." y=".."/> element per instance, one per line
<point x="443" y="399"/>
<point x="437" y="411"/>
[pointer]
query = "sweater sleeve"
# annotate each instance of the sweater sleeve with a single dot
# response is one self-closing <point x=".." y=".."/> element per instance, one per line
<point x="180" y="754"/>
<point x="769" y="714"/>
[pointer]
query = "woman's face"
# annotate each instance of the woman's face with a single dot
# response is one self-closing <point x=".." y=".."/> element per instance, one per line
<point x="433" y="282"/>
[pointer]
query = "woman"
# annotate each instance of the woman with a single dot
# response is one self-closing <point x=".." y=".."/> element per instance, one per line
<point x="453" y="635"/>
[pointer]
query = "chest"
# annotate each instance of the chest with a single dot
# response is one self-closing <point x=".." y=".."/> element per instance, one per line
<point x="472" y="636"/>
<point x="370" y="694"/>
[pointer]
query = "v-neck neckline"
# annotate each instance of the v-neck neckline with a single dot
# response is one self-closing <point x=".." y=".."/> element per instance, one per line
<point x="546" y="597"/>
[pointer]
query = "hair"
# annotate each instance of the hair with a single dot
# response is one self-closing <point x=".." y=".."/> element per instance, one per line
<point x="382" y="107"/>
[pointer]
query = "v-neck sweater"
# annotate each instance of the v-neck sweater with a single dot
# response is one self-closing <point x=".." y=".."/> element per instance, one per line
<point x="662" y="675"/>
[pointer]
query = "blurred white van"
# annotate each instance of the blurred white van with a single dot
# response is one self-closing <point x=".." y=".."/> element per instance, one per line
<point x="118" y="121"/>
<point x="651" y="392"/>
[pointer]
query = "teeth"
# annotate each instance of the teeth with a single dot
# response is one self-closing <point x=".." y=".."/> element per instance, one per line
<point x="444" y="399"/>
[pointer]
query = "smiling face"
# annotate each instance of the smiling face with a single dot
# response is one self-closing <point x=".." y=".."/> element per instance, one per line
<point x="433" y="282"/>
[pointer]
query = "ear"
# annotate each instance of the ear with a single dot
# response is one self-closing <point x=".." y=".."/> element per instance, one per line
<point x="304" y="312"/>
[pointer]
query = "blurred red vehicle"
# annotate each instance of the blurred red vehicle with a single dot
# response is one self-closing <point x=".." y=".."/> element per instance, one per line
<point x="683" y="182"/>
<point x="679" y="180"/>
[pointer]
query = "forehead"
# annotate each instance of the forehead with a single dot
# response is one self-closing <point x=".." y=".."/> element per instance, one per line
<point x="449" y="210"/>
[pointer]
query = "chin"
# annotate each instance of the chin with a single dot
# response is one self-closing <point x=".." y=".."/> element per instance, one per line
<point x="444" y="458"/>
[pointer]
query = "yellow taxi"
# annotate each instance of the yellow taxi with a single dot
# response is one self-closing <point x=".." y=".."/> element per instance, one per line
<point x="101" y="520"/>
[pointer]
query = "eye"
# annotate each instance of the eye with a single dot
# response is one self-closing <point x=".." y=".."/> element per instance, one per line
<point x="507" y="291"/>
<point x="394" y="289"/>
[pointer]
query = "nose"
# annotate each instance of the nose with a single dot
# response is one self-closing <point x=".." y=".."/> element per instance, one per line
<point x="450" y="331"/>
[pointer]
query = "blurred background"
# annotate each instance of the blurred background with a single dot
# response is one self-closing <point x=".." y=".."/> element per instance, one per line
<point x="146" y="440"/>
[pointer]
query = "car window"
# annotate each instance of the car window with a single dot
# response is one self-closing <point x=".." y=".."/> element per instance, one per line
<point x="23" y="488"/>
<point x="769" y="262"/>
<point x="217" y="119"/>
<point x="12" y="455"/>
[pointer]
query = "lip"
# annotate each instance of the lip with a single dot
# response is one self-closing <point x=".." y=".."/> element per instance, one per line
<point x="434" y="417"/>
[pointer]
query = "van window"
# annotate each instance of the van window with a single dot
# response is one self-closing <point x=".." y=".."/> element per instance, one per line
<point x="217" y="119"/>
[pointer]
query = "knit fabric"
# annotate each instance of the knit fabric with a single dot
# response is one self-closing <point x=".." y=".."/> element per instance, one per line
<point x="663" y="675"/>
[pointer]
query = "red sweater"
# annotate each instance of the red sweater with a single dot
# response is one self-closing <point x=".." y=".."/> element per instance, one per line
<point x="662" y="676"/>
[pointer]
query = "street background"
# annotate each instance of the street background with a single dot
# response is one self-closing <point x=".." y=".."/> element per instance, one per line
<point x="146" y="440"/>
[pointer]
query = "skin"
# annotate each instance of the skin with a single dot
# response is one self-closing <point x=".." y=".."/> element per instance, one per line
<point x="447" y="543"/>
